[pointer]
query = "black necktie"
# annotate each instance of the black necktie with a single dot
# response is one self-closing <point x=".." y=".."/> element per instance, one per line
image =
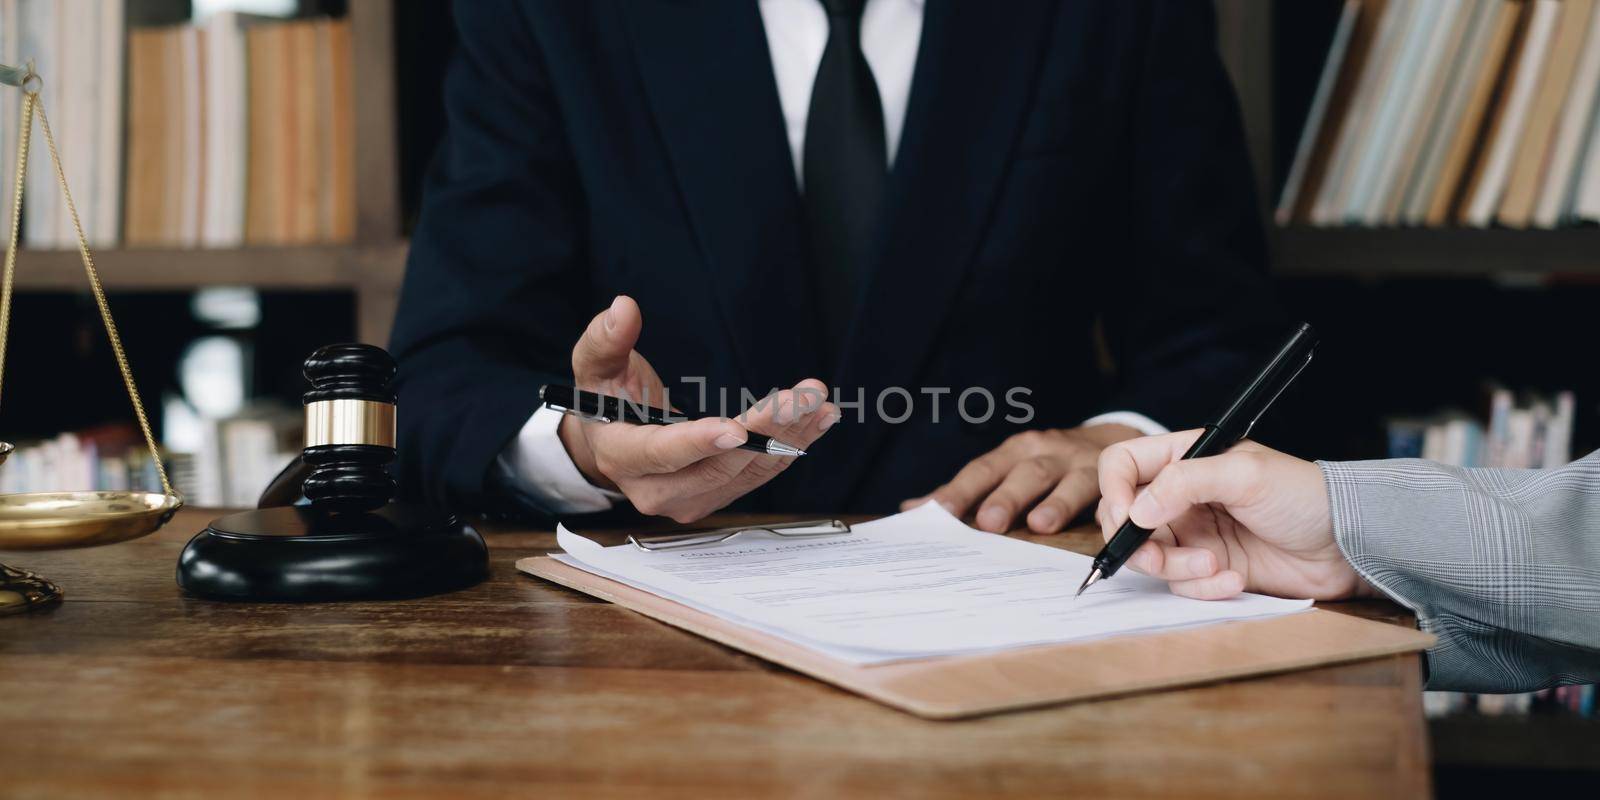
<point x="845" y="171"/>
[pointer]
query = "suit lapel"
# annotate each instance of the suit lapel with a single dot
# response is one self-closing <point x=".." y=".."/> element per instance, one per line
<point x="706" y="70"/>
<point x="975" y="72"/>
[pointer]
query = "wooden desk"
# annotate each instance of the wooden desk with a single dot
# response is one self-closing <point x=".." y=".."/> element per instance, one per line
<point x="521" y="687"/>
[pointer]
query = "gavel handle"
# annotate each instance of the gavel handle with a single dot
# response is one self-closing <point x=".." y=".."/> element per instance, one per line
<point x="285" y="490"/>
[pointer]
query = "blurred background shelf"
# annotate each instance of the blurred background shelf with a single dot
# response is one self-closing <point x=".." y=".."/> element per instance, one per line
<point x="290" y="267"/>
<point x="1548" y="742"/>
<point x="1436" y="252"/>
<point x="372" y="272"/>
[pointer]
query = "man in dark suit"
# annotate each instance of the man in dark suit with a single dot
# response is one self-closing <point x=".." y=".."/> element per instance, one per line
<point x="923" y="204"/>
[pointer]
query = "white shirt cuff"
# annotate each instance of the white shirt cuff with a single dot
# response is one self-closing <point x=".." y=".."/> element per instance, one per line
<point x="537" y="466"/>
<point x="1132" y="419"/>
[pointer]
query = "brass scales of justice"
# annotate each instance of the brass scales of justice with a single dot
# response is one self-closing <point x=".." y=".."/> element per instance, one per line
<point x="61" y="520"/>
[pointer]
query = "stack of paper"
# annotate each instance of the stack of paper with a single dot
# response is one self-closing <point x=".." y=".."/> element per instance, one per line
<point x="915" y="585"/>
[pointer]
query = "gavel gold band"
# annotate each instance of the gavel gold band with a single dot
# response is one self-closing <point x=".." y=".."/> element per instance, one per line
<point x="349" y="422"/>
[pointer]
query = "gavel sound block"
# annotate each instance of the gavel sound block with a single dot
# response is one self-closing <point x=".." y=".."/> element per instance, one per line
<point x="351" y="542"/>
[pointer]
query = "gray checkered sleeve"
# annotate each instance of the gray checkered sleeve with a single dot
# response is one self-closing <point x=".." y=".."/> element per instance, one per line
<point x="1502" y="565"/>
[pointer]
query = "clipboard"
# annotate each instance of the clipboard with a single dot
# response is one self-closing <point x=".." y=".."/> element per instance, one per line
<point x="954" y="687"/>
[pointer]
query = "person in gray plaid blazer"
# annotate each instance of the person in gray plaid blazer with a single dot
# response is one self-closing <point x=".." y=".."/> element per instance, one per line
<point x="1502" y="565"/>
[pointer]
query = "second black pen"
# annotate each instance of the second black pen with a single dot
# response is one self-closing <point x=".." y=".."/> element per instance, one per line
<point x="1234" y="424"/>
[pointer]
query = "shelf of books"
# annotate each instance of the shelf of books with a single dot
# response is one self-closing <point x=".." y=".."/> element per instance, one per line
<point x="217" y="463"/>
<point x="1448" y="137"/>
<point x="232" y="132"/>
<point x="234" y="136"/>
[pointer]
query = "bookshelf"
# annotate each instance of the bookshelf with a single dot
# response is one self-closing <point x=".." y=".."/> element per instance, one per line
<point x="1261" y="43"/>
<point x="371" y="267"/>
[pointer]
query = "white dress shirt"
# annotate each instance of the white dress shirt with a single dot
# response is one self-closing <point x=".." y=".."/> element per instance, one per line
<point x="536" y="464"/>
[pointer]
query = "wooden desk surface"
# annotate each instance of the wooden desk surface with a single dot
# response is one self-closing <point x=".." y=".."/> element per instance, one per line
<point x="521" y="687"/>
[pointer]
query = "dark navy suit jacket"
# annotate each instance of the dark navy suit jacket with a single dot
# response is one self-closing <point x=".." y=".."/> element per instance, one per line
<point x="1062" y="162"/>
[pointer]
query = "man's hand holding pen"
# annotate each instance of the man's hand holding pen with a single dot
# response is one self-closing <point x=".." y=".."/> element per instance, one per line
<point x="688" y="469"/>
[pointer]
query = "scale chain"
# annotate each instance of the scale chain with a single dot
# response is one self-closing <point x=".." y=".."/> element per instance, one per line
<point x="16" y="223"/>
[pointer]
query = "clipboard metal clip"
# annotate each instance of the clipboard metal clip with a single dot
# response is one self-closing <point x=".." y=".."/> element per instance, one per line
<point x="804" y="529"/>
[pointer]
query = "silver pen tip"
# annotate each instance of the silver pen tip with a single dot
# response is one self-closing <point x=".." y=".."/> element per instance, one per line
<point x="1094" y="577"/>
<point x="777" y="448"/>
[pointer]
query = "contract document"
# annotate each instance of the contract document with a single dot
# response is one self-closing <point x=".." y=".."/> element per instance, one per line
<point x="919" y="584"/>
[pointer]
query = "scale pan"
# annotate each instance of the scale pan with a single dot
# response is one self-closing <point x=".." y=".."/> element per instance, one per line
<point x="61" y="520"/>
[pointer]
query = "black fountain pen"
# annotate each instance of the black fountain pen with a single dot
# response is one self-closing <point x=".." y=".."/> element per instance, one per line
<point x="1235" y="424"/>
<point x="605" y="408"/>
